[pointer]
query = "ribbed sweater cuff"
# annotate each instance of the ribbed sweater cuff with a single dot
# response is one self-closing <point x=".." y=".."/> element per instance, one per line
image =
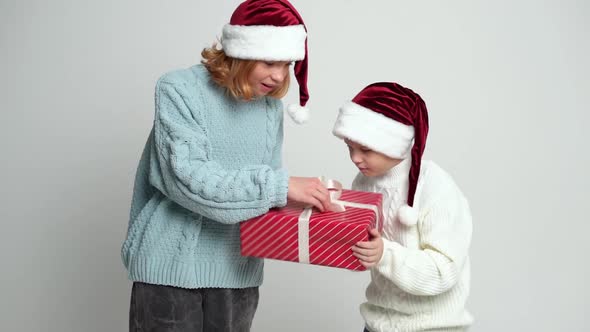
<point x="197" y="275"/>
<point x="279" y="196"/>
<point x="387" y="257"/>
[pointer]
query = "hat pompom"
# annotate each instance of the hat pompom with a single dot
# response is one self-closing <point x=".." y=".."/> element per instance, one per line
<point x="299" y="114"/>
<point x="408" y="215"/>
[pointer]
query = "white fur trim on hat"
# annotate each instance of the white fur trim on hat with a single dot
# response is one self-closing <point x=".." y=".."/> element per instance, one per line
<point x="407" y="215"/>
<point x="299" y="114"/>
<point x="264" y="42"/>
<point x="374" y="130"/>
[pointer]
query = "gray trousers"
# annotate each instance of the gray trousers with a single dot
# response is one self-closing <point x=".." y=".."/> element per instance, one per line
<point x="156" y="308"/>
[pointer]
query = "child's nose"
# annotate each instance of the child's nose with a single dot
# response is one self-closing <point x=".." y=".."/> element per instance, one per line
<point x="278" y="74"/>
<point x="356" y="157"/>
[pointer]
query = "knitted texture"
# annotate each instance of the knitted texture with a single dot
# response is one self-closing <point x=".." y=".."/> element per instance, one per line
<point x="210" y="162"/>
<point x="422" y="280"/>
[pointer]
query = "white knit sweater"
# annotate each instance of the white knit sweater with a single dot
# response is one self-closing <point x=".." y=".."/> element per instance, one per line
<point x="422" y="280"/>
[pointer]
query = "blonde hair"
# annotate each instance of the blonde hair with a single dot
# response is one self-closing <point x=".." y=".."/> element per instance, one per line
<point x="232" y="74"/>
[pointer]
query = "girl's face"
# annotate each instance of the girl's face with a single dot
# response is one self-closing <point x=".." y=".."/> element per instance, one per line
<point x="268" y="76"/>
<point x="369" y="162"/>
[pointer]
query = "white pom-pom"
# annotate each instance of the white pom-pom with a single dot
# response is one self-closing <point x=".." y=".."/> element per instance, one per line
<point x="407" y="215"/>
<point x="299" y="114"/>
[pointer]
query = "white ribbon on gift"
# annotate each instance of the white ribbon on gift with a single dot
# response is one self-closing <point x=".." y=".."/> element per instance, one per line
<point x="335" y="189"/>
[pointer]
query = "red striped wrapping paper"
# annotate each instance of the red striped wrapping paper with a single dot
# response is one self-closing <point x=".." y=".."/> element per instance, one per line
<point x="331" y="234"/>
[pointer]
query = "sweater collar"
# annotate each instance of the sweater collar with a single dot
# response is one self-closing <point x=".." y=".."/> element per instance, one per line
<point x="396" y="177"/>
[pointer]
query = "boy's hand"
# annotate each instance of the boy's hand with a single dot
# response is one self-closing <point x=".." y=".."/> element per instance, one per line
<point x="369" y="252"/>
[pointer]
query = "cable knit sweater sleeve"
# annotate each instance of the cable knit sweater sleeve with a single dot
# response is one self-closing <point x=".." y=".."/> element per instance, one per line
<point x="277" y="154"/>
<point x="444" y="229"/>
<point x="186" y="174"/>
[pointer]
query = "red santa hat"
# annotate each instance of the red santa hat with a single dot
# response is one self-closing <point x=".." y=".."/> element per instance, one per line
<point x="270" y="30"/>
<point x="388" y="118"/>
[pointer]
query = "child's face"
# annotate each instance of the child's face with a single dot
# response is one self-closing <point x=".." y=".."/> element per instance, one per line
<point x="268" y="76"/>
<point x="369" y="162"/>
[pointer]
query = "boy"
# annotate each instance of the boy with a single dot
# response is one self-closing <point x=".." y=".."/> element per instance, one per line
<point x="419" y="265"/>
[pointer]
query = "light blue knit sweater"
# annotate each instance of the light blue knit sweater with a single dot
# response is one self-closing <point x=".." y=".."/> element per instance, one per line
<point x="210" y="162"/>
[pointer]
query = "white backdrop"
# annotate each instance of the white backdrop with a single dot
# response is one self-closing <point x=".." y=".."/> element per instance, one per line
<point x="505" y="82"/>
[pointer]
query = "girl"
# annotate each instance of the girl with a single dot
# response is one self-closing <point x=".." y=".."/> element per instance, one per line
<point x="213" y="159"/>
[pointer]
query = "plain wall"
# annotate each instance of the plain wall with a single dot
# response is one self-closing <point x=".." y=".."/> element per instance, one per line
<point x="506" y="84"/>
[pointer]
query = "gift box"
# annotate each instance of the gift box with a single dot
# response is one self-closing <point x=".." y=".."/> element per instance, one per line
<point x="301" y="234"/>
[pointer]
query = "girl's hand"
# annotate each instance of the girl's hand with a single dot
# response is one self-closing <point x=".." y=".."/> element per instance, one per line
<point x="309" y="191"/>
<point x="369" y="252"/>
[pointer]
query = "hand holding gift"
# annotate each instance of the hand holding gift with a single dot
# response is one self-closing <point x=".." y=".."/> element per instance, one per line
<point x="309" y="191"/>
<point x="370" y="252"/>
